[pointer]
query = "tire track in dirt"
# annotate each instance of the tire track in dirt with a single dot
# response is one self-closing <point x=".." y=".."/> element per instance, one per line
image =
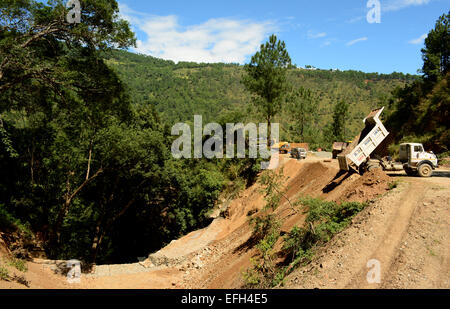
<point x="406" y="230"/>
<point x="423" y="260"/>
<point x="392" y="235"/>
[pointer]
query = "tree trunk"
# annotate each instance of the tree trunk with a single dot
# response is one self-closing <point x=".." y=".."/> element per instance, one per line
<point x="100" y="233"/>
<point x="269" y="131"/>
<point x="97" y="241"/>
<point x="55" y="236"/>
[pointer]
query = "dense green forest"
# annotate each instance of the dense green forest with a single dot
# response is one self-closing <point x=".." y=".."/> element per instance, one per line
<point x="85" y="160"/>
<point x="82" y="167"/>
<point x="421" y="111"/>
<point x="215" y="91"/>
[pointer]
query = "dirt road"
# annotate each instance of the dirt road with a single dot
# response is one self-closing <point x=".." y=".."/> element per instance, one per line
<point x="407" y="231"/>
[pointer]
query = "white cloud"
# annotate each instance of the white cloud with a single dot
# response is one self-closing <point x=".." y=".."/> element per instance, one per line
<point x="216" y="40"/>
<point x="395" y="5"/>
<point x="419" y="40"/>
<point x="357" y="41"/>
<point x="316" y="35"/>
<point x="125" y="12"/>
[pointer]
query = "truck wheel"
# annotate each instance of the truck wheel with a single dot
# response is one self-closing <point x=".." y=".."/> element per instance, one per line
<point x="362" y="169"/>
<point x="425" y="170"/>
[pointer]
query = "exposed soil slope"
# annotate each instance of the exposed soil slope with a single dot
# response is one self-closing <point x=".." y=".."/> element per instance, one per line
<point x="406" y="230"/>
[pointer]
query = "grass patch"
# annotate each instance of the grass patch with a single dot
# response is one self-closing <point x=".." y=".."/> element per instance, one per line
<point x="392" y="185"/>
<point x="266" y="232"/>
<point x="19" y="264"/>
<point x="324" y="220"/>
<point x="263" y="273"/>
<point x="4" y="273"/>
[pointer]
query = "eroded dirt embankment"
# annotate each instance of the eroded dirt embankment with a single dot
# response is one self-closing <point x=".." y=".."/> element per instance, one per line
<point x="406" y="231"/>
<point x="216" y="256"/>
<point x="230" y="253"/>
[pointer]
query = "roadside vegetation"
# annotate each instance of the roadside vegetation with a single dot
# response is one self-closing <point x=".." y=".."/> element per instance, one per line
<point x="4" y="273"/>
<point x="419" y="112"/>
<point x="87" y="170"/>
<point x="18" y="264"/>
<point x="324" y="220"/>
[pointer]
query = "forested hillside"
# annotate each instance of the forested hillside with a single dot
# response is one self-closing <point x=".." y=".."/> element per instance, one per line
<point x="84" y="172"/>
<point x="178" y="91"/>
<point x="421" y="111"/>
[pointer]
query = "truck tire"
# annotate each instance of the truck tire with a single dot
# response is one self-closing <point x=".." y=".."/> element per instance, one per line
<point x="362" y="169"/>
<point x="425" y="170"/>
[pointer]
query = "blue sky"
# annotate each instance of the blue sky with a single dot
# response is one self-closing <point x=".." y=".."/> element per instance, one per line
<point x="325" y="34"/>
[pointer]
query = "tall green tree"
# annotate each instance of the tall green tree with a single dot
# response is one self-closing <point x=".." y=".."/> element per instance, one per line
<point x="436" y="54"/>
<point x="267" y="78"/>
<point x="419" y="110"/>
<point x="340" y="115"/>
<point x="303" y="108"/>
<point x="57" y="94"/>
<point x="33" y="35"/>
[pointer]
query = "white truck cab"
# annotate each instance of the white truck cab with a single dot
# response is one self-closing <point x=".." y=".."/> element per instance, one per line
<point x="416" y="160"/>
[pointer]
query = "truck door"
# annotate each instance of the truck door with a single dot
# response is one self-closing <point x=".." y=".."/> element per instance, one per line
<point x="417" y="152"/>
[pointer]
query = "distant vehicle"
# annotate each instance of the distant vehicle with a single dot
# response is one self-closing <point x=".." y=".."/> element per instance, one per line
<point x="414" y="160"/>
<point x="298" y="153"/>
<point x="285" y="147"/>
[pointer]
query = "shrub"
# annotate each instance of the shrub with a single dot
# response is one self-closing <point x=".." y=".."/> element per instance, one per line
<point x="4" y="274"/>
<point x="19" y="264"/>
<point x="324" y="220"/>
<point x="9" y="222"/>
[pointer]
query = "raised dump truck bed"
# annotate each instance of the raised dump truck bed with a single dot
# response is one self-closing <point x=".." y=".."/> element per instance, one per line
<point x="373" y="134"/>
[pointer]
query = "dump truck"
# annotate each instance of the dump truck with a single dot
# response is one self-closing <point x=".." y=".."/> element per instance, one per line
<point x="299" y="153"/>
<point x="284" y="147"/>
<point x="361" y="155"/>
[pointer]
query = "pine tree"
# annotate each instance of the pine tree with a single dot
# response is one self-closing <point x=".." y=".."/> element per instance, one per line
<point x="267" y="77"/>
<point x="340" y="115"/>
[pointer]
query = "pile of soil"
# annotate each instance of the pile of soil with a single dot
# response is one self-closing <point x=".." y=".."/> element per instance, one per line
<point x="310" y="179"/>
<point x="367" y="187"/>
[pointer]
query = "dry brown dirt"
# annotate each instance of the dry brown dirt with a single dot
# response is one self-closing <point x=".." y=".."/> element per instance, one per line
<point x="406" y="229"/>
